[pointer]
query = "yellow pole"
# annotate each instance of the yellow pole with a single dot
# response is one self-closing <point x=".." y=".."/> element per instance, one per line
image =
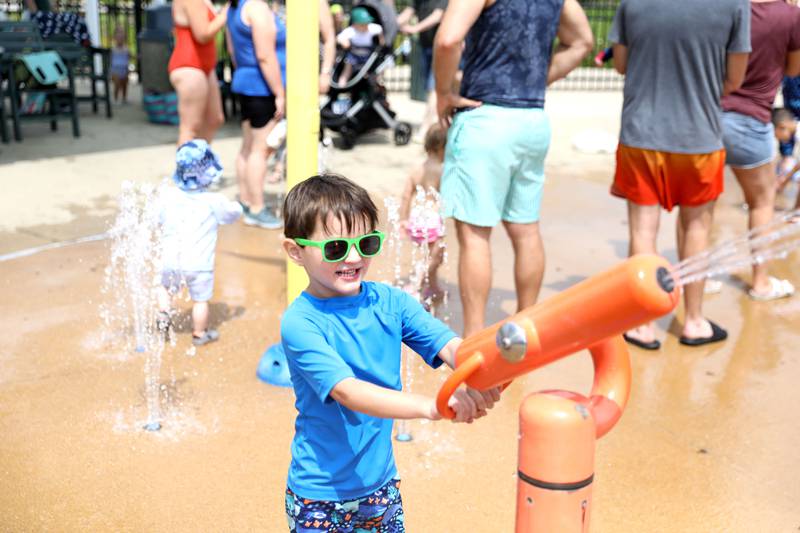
<point x="302" y="108"/>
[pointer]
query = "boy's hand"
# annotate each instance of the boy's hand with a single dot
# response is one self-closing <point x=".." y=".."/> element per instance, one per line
<point x="471" y="404"/>
<point x="464" y="406"/>
<point x="468" y="404"/>
<point x="484" y="400"/>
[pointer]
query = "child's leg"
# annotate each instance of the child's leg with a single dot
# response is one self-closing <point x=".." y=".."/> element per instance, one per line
<point x="115" y="81"/>
<point x="346" y="71"/>
<point x="201" y="289"/>
<point x="436" y="257"/>
<point x="124" y="84"/>
<point x="199" y="318"/>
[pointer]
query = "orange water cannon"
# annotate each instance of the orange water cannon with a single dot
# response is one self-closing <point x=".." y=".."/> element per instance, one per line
<point x="558" y="429"/>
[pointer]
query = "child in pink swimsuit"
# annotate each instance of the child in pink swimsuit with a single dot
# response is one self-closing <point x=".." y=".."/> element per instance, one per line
<point x="420" y="215"/>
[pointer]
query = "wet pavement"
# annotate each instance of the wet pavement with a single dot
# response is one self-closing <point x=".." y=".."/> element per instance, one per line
<point x="708" y="442"/>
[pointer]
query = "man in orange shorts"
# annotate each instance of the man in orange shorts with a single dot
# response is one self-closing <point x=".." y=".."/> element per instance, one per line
<point x="687" y="54"/>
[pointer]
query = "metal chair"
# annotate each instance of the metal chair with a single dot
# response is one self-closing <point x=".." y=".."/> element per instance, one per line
<point x="19" y="38"/>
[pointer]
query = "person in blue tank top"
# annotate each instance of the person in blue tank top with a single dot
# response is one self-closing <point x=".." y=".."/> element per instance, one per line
<point x="257" y="44"/>
<point x="342" y="338"/>
<point x="499" y="133"/>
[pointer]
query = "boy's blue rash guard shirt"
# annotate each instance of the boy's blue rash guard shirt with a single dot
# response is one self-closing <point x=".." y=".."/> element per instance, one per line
<point x="337" y="453"/>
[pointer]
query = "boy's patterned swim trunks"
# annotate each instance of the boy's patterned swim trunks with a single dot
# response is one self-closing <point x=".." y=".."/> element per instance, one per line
<point x="379" y="512"/>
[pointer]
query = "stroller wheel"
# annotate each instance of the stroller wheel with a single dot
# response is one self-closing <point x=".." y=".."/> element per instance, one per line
<point x="348" y="137"/>
<point x="402" y="133"/>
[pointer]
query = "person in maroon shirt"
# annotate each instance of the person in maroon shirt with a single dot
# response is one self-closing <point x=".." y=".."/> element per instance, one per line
<point x="747" y="127"/>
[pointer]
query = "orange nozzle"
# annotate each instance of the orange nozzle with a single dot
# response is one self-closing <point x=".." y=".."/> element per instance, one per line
<point x="632" y="293"/>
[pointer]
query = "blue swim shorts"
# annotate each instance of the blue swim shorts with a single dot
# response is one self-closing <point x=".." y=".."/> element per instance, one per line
<point x="379" y="512"/>
<point x="200" y="284"/>
<point x="749" y="143"/>
<point x="494" y="165"/>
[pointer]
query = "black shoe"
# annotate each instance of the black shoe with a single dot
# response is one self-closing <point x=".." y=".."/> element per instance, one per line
<point x="717" y="334"/>
<point x="652" y="345"/>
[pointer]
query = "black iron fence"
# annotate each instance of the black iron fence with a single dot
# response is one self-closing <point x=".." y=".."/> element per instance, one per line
<point x="128" y="15"/>
<point x="113" y="14"/>
<point x="590" y="76"/>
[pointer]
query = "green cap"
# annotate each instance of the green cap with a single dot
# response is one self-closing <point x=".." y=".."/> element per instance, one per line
<point x="360" y="15"/>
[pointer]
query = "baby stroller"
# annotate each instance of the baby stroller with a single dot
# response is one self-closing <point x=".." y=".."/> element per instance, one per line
<point x="360" y="104"/>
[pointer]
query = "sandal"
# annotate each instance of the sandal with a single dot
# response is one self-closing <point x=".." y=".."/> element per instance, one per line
<point x="209" y="335"/>
<point x="778" y="288"/>
<point x="652" y="345"/>
<point x="717" y="334"/>
<point x="712" y="286"/>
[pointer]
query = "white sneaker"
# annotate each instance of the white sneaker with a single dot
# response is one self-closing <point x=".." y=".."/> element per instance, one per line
<point x="713" y="286"/>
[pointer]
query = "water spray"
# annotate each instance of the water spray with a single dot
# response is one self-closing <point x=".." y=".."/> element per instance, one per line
<point x="130" y="281"/>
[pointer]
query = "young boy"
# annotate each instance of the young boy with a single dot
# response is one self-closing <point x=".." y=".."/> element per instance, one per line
<point x="423" y="223"/>
<point x="342" y="340"/>
<point x="359" y="40"/>
<point x="190" y="216"/>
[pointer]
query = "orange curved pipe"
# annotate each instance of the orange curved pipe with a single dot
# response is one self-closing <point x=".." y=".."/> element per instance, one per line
<point x="611" y="388"/>
<point x="632" y="293"/>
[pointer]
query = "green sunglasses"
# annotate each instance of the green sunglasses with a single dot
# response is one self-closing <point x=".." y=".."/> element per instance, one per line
<point x="335" y="250"/>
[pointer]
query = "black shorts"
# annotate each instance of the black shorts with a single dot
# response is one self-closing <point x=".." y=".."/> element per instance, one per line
<point x="257" y="109"/>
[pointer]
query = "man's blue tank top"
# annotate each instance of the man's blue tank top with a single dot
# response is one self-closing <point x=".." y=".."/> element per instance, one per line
<point x="247" y="78"/>
<point x="507" y="52"/>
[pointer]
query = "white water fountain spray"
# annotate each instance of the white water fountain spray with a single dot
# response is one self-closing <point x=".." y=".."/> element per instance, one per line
<point x="130" y="282"/>
<point x="394" y="243"/>
<point x="765" y="243"/>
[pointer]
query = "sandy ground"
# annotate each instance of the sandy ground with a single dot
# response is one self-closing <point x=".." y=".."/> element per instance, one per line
<point x="708" y="442"/>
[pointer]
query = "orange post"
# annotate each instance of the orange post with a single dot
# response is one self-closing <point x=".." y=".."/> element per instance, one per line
<point x="556" y="465"/>
<point x="558" y="430"/>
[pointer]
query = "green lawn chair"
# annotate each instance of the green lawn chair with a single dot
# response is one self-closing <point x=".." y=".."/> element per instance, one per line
<point x="22" y="42"/>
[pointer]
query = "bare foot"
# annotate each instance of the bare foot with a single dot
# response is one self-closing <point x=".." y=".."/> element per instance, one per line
<point x="697" y="328"/>
<point x="645" y="334"/>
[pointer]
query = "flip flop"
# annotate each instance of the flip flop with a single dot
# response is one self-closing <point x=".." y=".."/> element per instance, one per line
<point x="652" y="345"/>
<point x="778" y="288"/>
<point x="717" y="334"/>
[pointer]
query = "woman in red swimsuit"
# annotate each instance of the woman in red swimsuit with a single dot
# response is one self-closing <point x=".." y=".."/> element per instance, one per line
<point x="191" y="68"/>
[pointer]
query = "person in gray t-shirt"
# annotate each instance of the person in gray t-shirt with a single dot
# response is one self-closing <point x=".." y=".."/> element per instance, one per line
<point x="678" y="58"/>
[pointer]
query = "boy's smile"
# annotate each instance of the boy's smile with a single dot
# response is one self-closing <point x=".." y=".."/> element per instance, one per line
<point x="349" y="274"/>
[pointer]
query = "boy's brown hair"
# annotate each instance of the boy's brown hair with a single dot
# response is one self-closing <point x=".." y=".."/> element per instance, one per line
<point x="435" y="139"/>
<point x="327" y="194"/>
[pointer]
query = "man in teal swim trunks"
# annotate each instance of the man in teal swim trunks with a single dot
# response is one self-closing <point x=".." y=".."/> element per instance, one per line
<point x="499" y="133"/>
